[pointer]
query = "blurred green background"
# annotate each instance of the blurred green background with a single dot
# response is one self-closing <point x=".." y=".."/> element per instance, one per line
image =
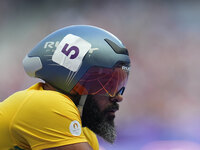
<point x="161" y="106"/>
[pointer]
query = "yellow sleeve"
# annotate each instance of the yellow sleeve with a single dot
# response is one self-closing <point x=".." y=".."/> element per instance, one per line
<point x="91" y="138"/>
<point x="47" y="119"/>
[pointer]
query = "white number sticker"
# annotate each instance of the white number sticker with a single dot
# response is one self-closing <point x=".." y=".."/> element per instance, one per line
<point x="71" y="51"/>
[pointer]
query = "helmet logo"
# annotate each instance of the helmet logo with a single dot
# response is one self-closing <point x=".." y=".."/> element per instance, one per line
<point x="126" y="68"/>
<point x="74" y="51"/>
<point x="51" y="44"/>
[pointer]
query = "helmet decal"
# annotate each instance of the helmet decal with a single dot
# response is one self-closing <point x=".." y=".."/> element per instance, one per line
<point x="70" y="52"/>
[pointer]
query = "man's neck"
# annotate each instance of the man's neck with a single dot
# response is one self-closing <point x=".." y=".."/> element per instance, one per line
<point x="74" y="98"/>
<point x="47" y="86"/>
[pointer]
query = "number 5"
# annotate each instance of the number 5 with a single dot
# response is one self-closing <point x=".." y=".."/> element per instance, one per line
<point x="74" y="51"/>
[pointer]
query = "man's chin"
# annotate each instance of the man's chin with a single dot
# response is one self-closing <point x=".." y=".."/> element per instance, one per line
<point x="107" y="131"/>
<point x="101" y="123"/>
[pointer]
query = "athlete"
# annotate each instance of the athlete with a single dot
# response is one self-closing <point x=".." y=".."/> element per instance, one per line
<point x="85" y="71"/>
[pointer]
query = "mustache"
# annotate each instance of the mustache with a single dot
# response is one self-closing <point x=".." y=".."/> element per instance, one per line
<point x="113" y="107"/>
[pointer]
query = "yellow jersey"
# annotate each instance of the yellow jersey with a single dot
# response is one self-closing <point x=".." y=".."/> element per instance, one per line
<point x="38" y="119"/>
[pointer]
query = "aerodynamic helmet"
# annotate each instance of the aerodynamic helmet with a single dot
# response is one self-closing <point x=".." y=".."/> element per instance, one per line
<point x="80" y="59"/>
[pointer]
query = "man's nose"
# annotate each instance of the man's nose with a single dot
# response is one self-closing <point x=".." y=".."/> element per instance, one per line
<point x="116" y="98"/>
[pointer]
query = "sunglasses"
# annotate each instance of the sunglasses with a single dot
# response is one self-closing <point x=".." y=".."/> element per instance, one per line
<point x="102" y="81"/>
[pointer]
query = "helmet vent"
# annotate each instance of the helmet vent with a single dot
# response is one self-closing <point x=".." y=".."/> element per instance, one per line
<point x="116" y="48"/>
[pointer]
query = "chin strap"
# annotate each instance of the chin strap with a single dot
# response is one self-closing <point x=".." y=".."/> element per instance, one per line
<point x="81" y="103"/>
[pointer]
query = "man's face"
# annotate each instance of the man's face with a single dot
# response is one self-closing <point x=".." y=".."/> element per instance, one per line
<point x="99" y="113"/>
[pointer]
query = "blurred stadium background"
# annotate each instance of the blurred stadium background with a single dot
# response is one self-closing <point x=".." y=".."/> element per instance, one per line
<point x="161" y="106"/>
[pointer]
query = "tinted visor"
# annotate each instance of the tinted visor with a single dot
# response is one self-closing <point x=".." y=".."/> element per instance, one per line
<point x="102" y="81"/>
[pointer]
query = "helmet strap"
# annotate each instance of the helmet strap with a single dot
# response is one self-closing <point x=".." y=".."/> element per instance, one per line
<point x="82" y="103"/>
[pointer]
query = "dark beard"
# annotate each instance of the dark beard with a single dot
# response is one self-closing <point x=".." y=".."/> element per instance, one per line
<point x="97" y="121"/>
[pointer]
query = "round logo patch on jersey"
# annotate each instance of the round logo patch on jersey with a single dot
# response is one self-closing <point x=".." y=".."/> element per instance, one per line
<point x="75" y="128"/>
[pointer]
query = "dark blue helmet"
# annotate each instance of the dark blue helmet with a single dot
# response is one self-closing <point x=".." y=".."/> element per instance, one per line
<point x="81" y="59"/>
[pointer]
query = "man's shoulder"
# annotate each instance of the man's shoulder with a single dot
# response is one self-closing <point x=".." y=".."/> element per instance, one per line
<point x="37" y="93"/>
<point x="47" y="98"/>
